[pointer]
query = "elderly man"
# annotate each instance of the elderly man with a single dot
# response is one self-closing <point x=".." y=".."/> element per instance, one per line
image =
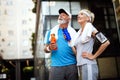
<point x="63" y="60"/>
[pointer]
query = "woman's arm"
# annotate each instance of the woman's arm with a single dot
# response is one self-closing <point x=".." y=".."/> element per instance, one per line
<point x="100" y="50"/>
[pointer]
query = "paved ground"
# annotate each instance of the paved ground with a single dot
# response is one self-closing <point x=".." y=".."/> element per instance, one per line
<point x="110" y="79"/>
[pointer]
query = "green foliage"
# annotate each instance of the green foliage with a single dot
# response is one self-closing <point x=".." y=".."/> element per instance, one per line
<point x="35" y="5"/>
<point x="4" y="70"/>
<point x="33" y="42"/>
<point x="28" y="69"/>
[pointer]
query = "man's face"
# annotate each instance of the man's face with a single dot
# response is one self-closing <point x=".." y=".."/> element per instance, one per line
<point x="63" y="18"/>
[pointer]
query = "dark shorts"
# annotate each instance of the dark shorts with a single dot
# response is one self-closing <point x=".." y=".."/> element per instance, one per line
<point x="64" y="73"/>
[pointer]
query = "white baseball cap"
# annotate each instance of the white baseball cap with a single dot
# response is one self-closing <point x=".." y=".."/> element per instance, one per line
<point x="65" y="11"/>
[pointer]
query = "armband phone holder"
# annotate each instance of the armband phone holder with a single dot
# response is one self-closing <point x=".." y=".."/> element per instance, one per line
<point x="101" y="37"/>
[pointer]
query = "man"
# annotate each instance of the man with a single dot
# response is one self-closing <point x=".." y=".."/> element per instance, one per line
<point x="63" y="60"/>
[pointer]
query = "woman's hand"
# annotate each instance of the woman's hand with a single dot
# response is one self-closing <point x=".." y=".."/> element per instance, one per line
<point x="88" y="55"/>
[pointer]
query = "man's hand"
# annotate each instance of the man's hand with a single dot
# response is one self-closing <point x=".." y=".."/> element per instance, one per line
<point x="53" y="46"/>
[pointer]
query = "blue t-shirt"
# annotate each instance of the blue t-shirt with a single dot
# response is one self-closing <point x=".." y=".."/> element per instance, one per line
<point x="63" y="55"/>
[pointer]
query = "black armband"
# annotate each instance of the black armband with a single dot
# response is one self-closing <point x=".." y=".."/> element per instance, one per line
<point x="100" y="36"/>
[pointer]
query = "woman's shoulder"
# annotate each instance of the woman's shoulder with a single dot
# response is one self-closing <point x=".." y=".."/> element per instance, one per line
<point x="89" y="24"/>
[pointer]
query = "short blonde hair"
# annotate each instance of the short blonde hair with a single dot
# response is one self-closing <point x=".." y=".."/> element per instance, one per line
<point x="88" y="13"/>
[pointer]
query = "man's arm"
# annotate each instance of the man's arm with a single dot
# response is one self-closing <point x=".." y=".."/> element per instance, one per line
<point x="74" y="50"/>
<point x="47" y="48"/>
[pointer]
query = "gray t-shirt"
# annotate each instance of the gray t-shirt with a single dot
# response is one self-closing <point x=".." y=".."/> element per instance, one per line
<point x="84" y="43"/>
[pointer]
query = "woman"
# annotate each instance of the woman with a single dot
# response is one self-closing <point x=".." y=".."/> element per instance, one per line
<point x="84" y="41"/>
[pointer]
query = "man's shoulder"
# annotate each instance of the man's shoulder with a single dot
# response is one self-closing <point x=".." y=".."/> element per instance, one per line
<point x="73" y="29"/>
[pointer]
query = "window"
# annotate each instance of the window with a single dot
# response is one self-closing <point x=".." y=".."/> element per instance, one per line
<point x="106" y="23"/>
<point x="50" y="12"/>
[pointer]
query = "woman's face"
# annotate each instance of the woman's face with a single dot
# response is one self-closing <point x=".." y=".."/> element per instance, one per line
<point x="82" y="18"/>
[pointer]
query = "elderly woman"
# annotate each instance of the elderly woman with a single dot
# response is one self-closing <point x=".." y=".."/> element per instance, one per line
<point x="86" y="60"/>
